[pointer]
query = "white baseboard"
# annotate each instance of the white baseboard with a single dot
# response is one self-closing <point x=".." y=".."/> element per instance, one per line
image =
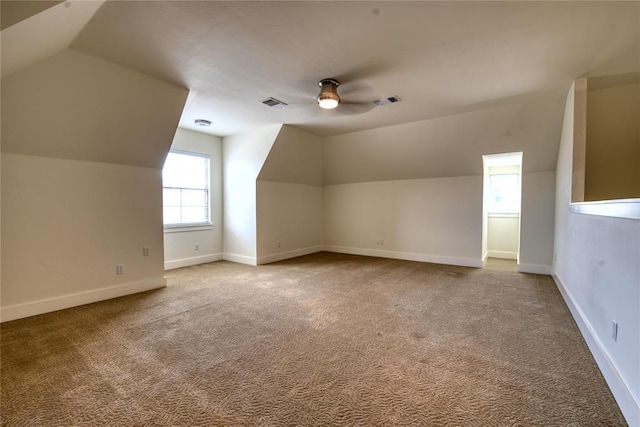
<point x="502" y="254"/>
<point x="48" y="305"/>
<point x="629" y="406"/>
<point x="407" y="256"/>
<point x="266" y="259"/>
<point x="535" y="269"/>
<point x="242" y="259"/>
<point x="186" y="262"/>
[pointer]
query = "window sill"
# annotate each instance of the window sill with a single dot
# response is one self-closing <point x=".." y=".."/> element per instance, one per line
<point x="187" y="228"/>
<point x="503" y="215"/>
<point x="622" y="208"/>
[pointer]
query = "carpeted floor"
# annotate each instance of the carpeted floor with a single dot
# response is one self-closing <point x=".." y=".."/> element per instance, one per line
<point x="501" y="264"/>
<point x="325" y="339"/>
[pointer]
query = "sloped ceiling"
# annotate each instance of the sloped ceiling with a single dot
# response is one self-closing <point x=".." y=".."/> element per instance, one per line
<point x="33" y="31"/>
<point x="448" y="146"/>
<point x="75" y="106"/>
<point x="440" y="58"/>
<point x="12" y="11"/>
<point x="296" y="157"/>
<point x="474" y="77"/>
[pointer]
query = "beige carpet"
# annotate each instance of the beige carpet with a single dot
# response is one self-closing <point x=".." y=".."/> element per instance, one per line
<point x="325" y="339"/>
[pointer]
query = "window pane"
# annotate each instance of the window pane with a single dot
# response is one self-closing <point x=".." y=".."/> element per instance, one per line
<point x="171" y="171"/>
<point x="172" y="162"/>
<point x="504" y="196"/>
<point x="193" y="215"/>
<point x="193" y="163"/>
<point x="171" y="215"/>
<point x="185" y="178"/>
<point x="192" y="179"/>
<point x="194" y="198"/>
<point x="171" y="197"/>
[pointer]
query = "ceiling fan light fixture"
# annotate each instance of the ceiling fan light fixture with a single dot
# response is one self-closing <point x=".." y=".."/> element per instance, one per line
<point x="328" y="97"/>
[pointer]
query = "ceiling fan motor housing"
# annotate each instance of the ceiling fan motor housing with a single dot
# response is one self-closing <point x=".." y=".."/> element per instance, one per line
<point x="328" y="97"/>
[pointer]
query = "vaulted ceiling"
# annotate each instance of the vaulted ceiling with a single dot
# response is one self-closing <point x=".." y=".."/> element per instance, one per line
<point x="439" y="58"/>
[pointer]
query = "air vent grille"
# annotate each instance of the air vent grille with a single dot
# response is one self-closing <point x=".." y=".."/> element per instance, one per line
<point x="275" y="103"/>
<point x="389" y="100"/>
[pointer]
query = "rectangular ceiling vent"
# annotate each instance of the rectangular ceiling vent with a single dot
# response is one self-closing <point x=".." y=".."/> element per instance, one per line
<point x="389" y="100"/>
<point x="275" y="103"/>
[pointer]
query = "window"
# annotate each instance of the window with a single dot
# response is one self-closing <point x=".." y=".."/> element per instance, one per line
<point x="185" y="189"/>
<point x="504" y="193"/>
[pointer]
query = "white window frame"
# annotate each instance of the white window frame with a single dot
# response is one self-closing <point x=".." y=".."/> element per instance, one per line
<point x="191" y="225"/>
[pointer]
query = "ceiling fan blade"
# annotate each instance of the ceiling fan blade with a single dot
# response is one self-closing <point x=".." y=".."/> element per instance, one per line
<point x="357" y="89"/>
<point x="354" y="108"/>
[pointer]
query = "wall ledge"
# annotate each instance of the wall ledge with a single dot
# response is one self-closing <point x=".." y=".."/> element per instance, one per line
<point x="407" y="256"/>
<point x="629" y="406"/>
<point x="186" y="262"/>
<point x="622" y="208"/>
<point x="47" y="305"/>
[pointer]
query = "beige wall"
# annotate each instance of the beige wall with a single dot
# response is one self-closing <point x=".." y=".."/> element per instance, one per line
<point x="83" y="143"/>
<point x="435" y="220"/>
<point x="289" y="221"/>
<point x="613" y="143"/>
<point x="65" y="226"/>
<point x="537" y="222"/>
<point x="366" y="172"/>
<point x="289" y="197"/>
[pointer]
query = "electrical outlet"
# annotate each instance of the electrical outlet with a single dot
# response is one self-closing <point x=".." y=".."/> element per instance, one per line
<point x="380" y="242"/>
<point x="614" y="330"/>
<point x="119" y="269"/>
<point x="145" y="251"/>
<point x="278" y="244"/>
<point x="196" y="246"/>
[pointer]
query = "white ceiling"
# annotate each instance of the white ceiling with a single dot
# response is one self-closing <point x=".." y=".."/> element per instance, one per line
<point x="440" y="58"/>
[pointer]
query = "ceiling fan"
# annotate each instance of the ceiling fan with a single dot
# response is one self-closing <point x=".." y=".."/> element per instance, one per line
<point x="329" y="99"/>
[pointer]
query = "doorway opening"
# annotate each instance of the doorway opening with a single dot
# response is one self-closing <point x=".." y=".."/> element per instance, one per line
<point x="502" y="186"/>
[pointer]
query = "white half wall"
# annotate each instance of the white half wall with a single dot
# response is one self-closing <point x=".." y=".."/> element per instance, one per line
<point x="66" y="224"/>
<point x="598" y="272"/>
<point x="179" y="244"/>
<point x="243" y="157"/>
<point x="434" y="220"/>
